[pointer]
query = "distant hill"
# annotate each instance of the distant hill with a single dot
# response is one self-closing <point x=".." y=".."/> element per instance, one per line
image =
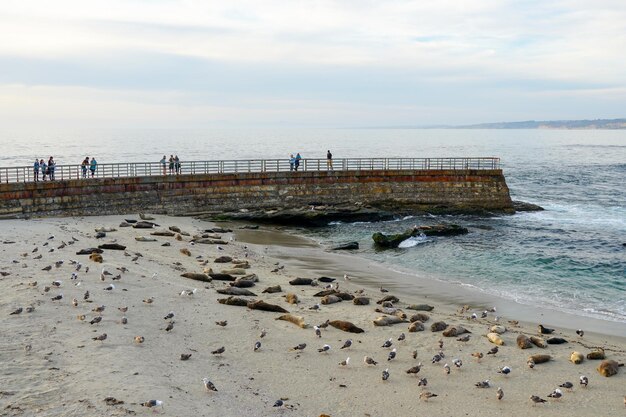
<point x="552" y="124"/>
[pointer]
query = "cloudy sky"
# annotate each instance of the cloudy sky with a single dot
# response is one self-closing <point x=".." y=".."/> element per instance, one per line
<point x="195" y="63"/>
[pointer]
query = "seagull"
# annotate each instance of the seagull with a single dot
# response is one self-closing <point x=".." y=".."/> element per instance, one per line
<point x="301" y="346"/>
<point x="86" y="296"/>
<point x="56" y="283"/>
<point x="401" y="337"/>
<point x="437" y="358"/>
<point x="139" y="339"/>
<point x="499" y="393"/>
<point x="74" y="276"/>
<point x="474" y="316"/>
<point x="536" y="400"/>
<point x="111" y="287"/>
<point x="30" y="309"/>
<point x="556" y="394"/>
<point x="457" y="362"/>
<point x="346" y="277"/>
<point x="482" y="384"/>
<point x="392" y="355"/>
<point x="414" y="354"/>
<point x="318" y="332"/>
<point x="123" y="309"/>
<point x="58" y="263"/>
<point x="208" y="385"/>
<point x="425" y="395"/>
<point x="188" y="293"/>
<point x="387" y="343"/>
<point x="493" y="350"/>
<point x="383" y="290"/>
<point x="345" y="362"/>
<point x="46" y="268"/>
<point x="422" y="382"/>
<point x="96" y="319"/>
<point x="324" y="348"/>
<point x="315" y="307"/>
<point x="478" y="355"/>
<point x="484" y="314"/>
<point x="170" y="326"/>
<point x="219" y="351"/>
<point x="222" y="323"/>
<point x="584" y="381"/>
<point x="98" y="309"/>
<point x="446" y="369"/>
<point x="386" y="374"/>
<point x="149" y="300"/>
<point x="263" y="333"/>
<point x="185" y="356"/>
<point x="169" y="315"/>
<point x="124" y="320"/>
<point x="505" y="370"/>
<point x="415" y="369"/>
<point x="16" y="311"/>
<point x="567" y="385"/>
<point x="346" y="344"/>
<point x="278" y="403"/>
<point x="153" y="403"/>
<point x="58" y="297"/>
<point x="369" y="361"/>
<point x="441" y="346"/>
<point x="102" y="337"/>
<point x="580" y="332"/>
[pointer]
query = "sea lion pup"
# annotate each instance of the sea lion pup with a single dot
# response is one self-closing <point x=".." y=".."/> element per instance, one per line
<point x="297" y="320"/>
<point x="391" y="298"/>
<point x="273" y="289"/>
<point x="331" y="299"/>
<point x="538" y="341"/>
<point x="387" y="320"/>
<point x="233" y="301"/>
<point x="361" y="301"/>
<point x="262" y="305"/>
<point x="497" y="329"/>
<point x="96" y="257"/>
<point x="197" y="277"/>
<point x="524" y="342"/>
<point x="291" y="298"/>
<point x="576" y="358"/>
<point x="419" y="317"/>
<point x="536" y="359"/>
<point x="420" y="307"/>
<point x="495" y="339"/>
<point x="455" y="331"/>
<point x="416" y="326"/>
<point x="438" y="326"/>
<point x="346" y="326"/>
<point x="609" y="368"/>
<point x="597" y="353"/>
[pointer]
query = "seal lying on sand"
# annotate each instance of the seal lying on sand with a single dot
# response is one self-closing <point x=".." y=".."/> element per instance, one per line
<point x="609" y="368"/>
<point x="346" y="326"/>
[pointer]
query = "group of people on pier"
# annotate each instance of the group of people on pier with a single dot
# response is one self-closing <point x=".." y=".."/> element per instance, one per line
<point x="173" y="163"/>
<point x="91" y="165"/>
<point x="46" y="169"/>
<point x="294" y="161"/>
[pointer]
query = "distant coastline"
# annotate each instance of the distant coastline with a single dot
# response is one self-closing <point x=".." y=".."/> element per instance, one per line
<point x="596" y="124"/>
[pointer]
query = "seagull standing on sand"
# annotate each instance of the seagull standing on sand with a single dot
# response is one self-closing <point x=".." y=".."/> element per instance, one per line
<point x="345" y="362"/>
<point x="499" y="393"/>
<point x="584" y="381"/>
<point x="387" y="343"/>
<point x="556" y="394"/>
<point x="386" y="374"/>
<point x="257" y="346"/>
<point x="392" y="354"/>
<point x="346" y="344"/>
<point x="369" y="360"/>
<point x="446" y="369"/>
<point x="153" y="403"/>
<point x="324" y="348"/>
<point x="505" y="370"/>
<point x="208" y="385"/>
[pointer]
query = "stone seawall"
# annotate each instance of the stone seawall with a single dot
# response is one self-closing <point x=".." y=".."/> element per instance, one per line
<point x="440" y="190"/>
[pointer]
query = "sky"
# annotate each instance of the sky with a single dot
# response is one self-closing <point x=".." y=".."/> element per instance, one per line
<point x="196" y="63"/>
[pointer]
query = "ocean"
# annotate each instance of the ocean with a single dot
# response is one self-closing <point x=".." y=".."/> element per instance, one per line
<point x="570" y="257"/>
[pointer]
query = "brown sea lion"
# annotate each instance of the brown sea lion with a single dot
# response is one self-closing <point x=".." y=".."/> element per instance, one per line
<point x="330" y="299"/>
<point x="345" y="296"/>
<point x="419" y="317"/>
<point x="165" y="233"/>
<point x="495" y="339"/>
<point x="361" y="301"/>
<point x="597" y="353"/>
<point x="291" y="298"/>
<point x="387" y="320"/>
<point x="223" y="259"/>
<point x="539" y="358"/>
<point x="524" y="342"/>
<point x="324" y="293"/>
<point x="455" y="331"/>
<point x="301" y="281"/>
<point x="242" y="283"/>
<point x="235" y="291"/>
<point x="438" y="326"/>
<point x="576" y="358"/>
<point x="96" y="257"/>
<point x="272" y="289"/>
<point x="297" y="320"/>
<point x="538" y="341"/>
<point x="197" y="277"/>
<point x="234" y="271"/>
<point x="609" y="368"/>
<point x="346" y="326"/>
<point x="420" y="307"/>
<point x="262" y="305"/>
<point x="233" y="301"/>
<point x="416" y="326"/>
<point x="391" y="298"/>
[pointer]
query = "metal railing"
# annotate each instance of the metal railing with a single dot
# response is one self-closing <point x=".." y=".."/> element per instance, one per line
<point x="142" y="169"/>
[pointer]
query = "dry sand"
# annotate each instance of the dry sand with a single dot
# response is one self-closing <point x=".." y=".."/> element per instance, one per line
<point x="67" y="373"/>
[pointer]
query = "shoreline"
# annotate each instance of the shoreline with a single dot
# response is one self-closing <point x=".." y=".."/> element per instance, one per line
<point x="307" y="254"/>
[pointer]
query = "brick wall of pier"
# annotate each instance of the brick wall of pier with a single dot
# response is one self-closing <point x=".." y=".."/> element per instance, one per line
<point x="442" y="190"/>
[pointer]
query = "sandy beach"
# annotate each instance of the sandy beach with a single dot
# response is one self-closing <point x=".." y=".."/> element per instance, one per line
<point x="51" y="366"/>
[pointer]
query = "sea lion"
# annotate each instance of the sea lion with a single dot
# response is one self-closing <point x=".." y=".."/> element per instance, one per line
<point x="185" y="251"/>
<point x="112" y="246"/>
<point x="234" y="271"/>
<point x="197" y="277"/>
<point x="576" y="358"/>
<point x="345" y="296"/>
<point x="455" y="331"/>
<point x="235" y="291"/>
<point x="297" y="320"/>
<point x="272" y="289"/>
<point x="495" y="339"/>
<point x="330" y="299"/>
<point x="524" y="342"/>
<point x="438" y="326"/>
<point x="143" y="216"/>
<point x="96" y="257"/>
<point x="598" y="353"/>
<point x="419" y="317"/>
<point x="223" y="259"/>
<point x="291" y="298"/>
<point x="391" y="298"/>
<point x="346" y="326"/>
<point x="387" y="320"/>
<point x="301" y="281"/>
<point x="416" y="326"/>
<point x="609" y="368"/>
<point x="174" y="229"/>
<point x="145" y="239"/>
<point x="420" y="307"/>
<point x="262" y="305"/>
<point x="536" y="359"/>
<point x="233" y="301"/>
<point x="497" y="329"/>
<point x="241" y="265"/>
<point x="221" y="277"/>
<point x="324" y="293"/>
<point x="556" y="341"/>
<point x="105" y="229"/>
<point x="538" y="341"/>
<point x="242" y="283"/>
<point x="165" y="233"/>
<point x="89" y="251"/>
<point x="361" y="301"/>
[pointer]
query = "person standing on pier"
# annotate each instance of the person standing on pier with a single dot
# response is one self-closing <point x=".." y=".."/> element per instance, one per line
<point x="177" y="164"/>
<point x="84" y="165"/>
<point x="92" y="166"/>
<point x="51" y="166"/>
<point x="44" y="168"/>
<point x="329" y="160"/>
<point x="292" y="162"/>
<point x="164" y="164"/>
<point x="171" y="164"/>
<point x="298" y="158"/>
<point x="36" y="170"/>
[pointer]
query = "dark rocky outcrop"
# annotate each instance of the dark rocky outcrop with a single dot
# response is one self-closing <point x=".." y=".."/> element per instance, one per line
<point x="346" y="246"/>
<point x="392" y="241"/>
<point x="522" y="206"/>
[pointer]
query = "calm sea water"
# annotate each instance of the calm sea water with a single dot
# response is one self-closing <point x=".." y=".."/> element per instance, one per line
<point x="569" y="257"/>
